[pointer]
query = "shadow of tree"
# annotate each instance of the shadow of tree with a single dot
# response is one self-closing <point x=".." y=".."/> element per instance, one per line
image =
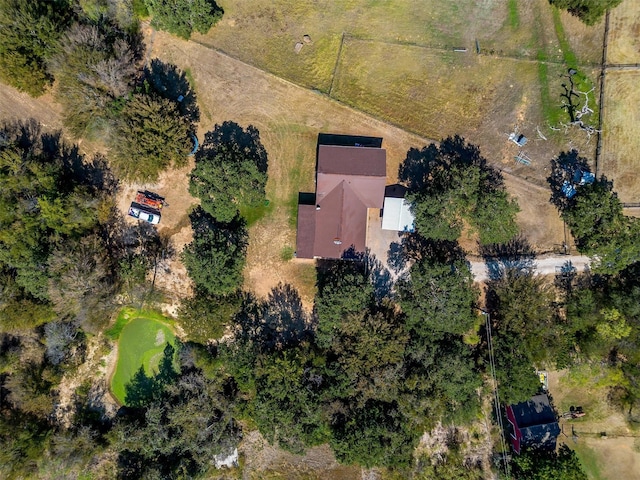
<point x="328" y="270"/>
<point x="373" y="268"/>
<point x="143" y="389"/>
<point x="234" y="231"/>
<point x="431" y="166"/>
<point x="414" y="171"/>
<point x="565" y="278"/>
<point x="50" y="148"/>
<point x="396" y="258"/>
<point x="276" y="323"/>
<point x="416" y="247"/>
<point x="380" y="277"/>
<point x="516" y="255"/>
<point x="230" y="133"/>
<point x="168" y="81"/>
<point x="568" y="167"/>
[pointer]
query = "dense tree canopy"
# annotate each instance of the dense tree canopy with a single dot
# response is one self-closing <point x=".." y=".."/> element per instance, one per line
<point x="29" y="34"/>
<point x="343" y="290"/>
<point x="452" y="184"/>
<point x="589" y="11"/>
<point x="439" y="297"/>
<point x="183" y="17"/>
<point x="525" y="331"/>
<point x="43" y="204"/>
<point x="539" y="465"/>
<point x="231" y="171"/>
<point x="204" y="317"/>
<point x="186" y="422"/>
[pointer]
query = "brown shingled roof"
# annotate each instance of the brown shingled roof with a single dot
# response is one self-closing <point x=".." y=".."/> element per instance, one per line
<point x="350" y="180"/>
<point x="369" y="162"/>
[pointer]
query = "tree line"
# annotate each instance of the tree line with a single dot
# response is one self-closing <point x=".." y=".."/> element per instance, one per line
<point x="366" y="373"/>
<point x="93" y="51"/>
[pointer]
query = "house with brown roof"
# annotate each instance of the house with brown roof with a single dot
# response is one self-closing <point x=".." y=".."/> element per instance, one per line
<point x="350" y="180"/>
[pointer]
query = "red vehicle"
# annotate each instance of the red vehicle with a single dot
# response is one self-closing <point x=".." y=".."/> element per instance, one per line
<point x="150" y="199"/>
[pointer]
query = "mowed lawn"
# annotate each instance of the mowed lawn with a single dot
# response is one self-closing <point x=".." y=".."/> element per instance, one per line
<point x="142" y="337"/>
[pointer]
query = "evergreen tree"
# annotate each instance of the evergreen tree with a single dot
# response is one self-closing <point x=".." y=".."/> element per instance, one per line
<point x="183" y="17"/>
<point x="216" y="256"/>
<point x="29" y="35"/>
<point x="150" y="137"/>
<point x="231" y="171"/>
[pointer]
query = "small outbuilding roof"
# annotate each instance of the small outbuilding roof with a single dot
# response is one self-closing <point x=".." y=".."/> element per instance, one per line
<point x="396" y="215"/>
<point x="534" y="424"/>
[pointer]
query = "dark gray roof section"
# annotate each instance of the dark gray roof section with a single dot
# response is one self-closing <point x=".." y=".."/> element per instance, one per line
<point x="349" y="140"/>
<point x="540" y="436"/>
<point x="535" y="411"/>
<point x="395" y="191"/>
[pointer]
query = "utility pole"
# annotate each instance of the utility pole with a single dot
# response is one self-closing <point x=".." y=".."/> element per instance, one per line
<point x="496" y="395"/>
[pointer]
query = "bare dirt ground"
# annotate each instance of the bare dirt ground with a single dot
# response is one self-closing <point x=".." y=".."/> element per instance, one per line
<point x="318" y="463"/>
<point x="95" y="371"/>
<point x="171" y="276"/>
<point x="15" y="105"/>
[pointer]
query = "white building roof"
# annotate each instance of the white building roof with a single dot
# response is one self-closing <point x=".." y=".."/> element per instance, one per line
<point x="396" y="215"/>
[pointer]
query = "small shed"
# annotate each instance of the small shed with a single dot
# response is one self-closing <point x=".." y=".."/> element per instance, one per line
<point x="396" y="215"/>
<point x="518" y="139"/>
<point x="533" y="424"/>
<point x="396" y="211"/>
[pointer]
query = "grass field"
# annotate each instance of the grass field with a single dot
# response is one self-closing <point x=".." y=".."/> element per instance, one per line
<point x="395" y="60"/>
<point x="612" y="457"/>
<point x="624" y="33"/>
<point x="264" y="32"/>
<point x="621" y="133"/>
<point x="142" y="336"/>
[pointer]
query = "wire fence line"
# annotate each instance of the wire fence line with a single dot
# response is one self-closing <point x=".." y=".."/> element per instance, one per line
<point x="603" y="71"/>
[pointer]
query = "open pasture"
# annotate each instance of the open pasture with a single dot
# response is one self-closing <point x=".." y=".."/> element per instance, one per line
<point x="621" y="133"/>
<point x="264" y="32"/>
<point x="397" y="61"/>
<point x="624" y="34"/>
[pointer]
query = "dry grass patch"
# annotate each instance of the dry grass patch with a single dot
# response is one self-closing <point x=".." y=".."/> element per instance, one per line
<point x="264" y="32"/>
<point x="433" y="93"/>
<point x="624" y="33"/>
<point x="621" y="133"/>
<point x="442" y="93"/>
<point x="586" y="41"/>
